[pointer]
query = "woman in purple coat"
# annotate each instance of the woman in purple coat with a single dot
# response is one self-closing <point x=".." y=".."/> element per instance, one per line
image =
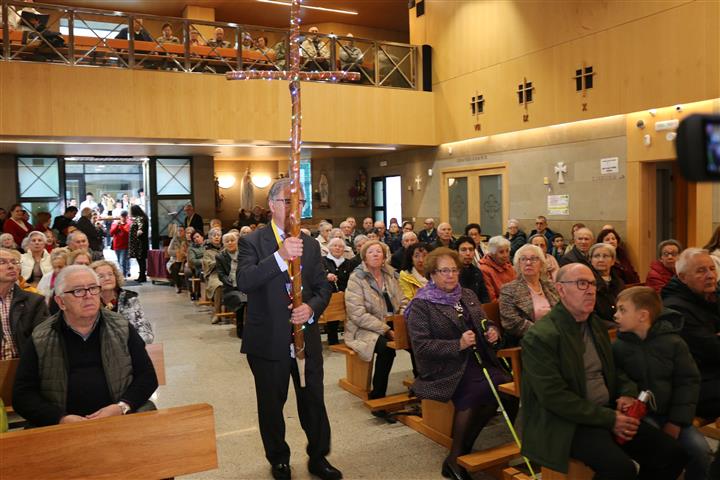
<point x="452" y="343"/>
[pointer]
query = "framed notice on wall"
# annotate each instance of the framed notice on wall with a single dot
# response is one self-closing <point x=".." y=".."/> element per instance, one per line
<point x="558" y="204"/>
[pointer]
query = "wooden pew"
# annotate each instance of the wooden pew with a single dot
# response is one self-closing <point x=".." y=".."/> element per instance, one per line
<point x="7" y="378"/>
<point x="151" y="445"/>
<point x="712" y="430"/>
<point x="335" y="311"/>
<point x="8" y="369"/>
<point x="358" y="372"/>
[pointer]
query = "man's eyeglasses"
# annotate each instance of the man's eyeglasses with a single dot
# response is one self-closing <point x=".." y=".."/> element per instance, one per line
<point x="287" y="201"/>
<point x="670" y="254"/>
<point x="447" y="271"/>
<point x="82" y="292"/>
<point x="582" y="284"/>
<point x="5" y="262"/>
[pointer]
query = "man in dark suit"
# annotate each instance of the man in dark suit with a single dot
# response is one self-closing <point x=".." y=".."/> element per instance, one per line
<point x="193" y="219"/>
<point x="20" y="311"/>
<point x="139" y="32"/>
<point x="263" y="258"/>
<point x="583" y="240"/>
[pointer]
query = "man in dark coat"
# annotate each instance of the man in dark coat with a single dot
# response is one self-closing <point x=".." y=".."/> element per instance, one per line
<point x="85" y="225"/>
<point x="62" y="223"/>
<point x="694" y="293"/>
<point x="263" y="258"/>
<point x="397" y="258"/>
<point x="573" y="393"/>
<point x="470" y="276"/>
<point x="193" y="219"/>
<point x="541" y="227"/>
<point x="583" y="240"/>
<point x="24" y="311"/>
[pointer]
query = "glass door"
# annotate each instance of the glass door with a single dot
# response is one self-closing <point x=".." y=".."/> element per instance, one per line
<point x="475" y="195"/>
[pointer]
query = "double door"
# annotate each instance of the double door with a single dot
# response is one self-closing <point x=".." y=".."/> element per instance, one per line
<point x="475" y="195"/>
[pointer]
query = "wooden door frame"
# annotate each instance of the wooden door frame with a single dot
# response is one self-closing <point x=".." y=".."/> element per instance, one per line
<point x="500" y="168"/>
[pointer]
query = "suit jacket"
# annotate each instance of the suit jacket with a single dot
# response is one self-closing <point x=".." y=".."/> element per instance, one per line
<point x="27" y="311"/>
<point x="196" y="222"/>
<point x="574" y="256"/>
<point x="267" y="331"/>
<point x="94" y="240"/>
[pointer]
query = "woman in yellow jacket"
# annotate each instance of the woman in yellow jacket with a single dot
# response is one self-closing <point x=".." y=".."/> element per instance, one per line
<point x="412" y="276"/>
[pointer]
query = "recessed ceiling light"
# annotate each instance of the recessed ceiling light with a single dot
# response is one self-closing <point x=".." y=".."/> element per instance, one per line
<point x="310" y="7"/>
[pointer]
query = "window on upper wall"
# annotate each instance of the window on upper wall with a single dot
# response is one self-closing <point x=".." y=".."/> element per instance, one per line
<point x="477" y="104"/>
<point x="525" y="92"/>
<point x="584" y="78"/>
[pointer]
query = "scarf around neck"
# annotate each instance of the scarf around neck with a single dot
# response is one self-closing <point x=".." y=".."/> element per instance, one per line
<point x="433" y="294"/>
<point x="337" y="261"/>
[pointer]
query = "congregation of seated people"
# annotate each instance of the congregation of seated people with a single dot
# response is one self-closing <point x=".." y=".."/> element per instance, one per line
<point x="553" y="313"/>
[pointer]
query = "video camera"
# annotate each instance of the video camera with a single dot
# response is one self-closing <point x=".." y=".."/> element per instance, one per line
<point x="698" y="148"/>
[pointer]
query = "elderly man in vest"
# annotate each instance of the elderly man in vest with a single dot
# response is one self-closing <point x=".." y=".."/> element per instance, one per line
<point x="84" y="362"/>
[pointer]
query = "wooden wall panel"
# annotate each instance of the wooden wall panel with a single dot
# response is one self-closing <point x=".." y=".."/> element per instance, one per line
<point x="108" y="103"/>
<point x="645" y="54"/>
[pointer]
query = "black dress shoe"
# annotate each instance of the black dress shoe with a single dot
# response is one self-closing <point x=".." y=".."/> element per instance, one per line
<point x="454" y="472"/>
<point x="322" y="468"/>
<point x="281" y="471"/>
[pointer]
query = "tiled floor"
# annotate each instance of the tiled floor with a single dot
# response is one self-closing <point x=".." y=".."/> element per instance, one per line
<point x="203" y="364"/>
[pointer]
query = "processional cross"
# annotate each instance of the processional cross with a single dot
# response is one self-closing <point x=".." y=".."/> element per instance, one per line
<point x="294" y="75"/>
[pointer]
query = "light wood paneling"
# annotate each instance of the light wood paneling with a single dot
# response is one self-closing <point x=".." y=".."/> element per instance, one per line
<point x="142" y="104"/>
<point x="645" y="54"/>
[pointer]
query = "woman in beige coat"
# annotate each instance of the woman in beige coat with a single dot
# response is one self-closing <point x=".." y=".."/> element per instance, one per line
<point x="372" y="294"/>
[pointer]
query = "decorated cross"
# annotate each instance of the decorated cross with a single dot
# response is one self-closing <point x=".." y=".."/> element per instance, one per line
<point x="294" y="75"/>
<point x="560" y="171"/>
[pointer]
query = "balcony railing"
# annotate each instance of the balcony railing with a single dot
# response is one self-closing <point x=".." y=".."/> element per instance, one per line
<point x="37" y="32"/>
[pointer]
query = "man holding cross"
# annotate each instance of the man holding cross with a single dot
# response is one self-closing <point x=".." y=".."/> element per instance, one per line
<point x="262" y="273"/>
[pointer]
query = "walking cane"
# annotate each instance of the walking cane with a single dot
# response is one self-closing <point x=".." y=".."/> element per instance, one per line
<point x="500" y="404"/>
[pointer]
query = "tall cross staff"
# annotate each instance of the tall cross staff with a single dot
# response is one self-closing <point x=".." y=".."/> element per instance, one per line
<point x="294" y="75"/>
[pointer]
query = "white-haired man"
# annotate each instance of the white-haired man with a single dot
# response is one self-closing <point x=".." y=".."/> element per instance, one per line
<point x="694" y="293"/>
<point x="428" y="234"/>
<point x="408" y="238"/>
<point x="583" y="239"/>
<point x="84" y="362"/>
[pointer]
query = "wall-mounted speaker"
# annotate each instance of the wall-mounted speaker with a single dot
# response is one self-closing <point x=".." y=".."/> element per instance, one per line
<point x="427" y="68"/>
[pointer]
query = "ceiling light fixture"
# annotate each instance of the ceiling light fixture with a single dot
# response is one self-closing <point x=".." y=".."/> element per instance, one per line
<point x="310" y="7"/>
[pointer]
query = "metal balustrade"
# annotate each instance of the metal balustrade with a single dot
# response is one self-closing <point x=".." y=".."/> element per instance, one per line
<point x="37" y="32"/>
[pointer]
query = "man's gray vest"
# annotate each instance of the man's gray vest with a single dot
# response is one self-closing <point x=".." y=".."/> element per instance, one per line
<point x="52" y="359"/>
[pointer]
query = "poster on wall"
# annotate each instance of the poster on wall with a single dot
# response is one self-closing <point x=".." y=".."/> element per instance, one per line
<point x="558" y="204"/>
<point x="609" y="165"/>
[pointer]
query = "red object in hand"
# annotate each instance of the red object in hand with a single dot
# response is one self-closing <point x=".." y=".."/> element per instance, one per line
<point x="638" y="410"/>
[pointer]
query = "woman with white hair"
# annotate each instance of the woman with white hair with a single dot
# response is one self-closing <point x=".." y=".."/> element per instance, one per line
<point x="58" y="260"/>
<point x="324" y="236"/>
<point x="530" y="296"/>
<point x="551" y="264"/>
<point x="36" y="260"/>
<point x="602" y="257"/>
<point x="227" y="261"/>
<point x="496" y="267"/>
<point x="119" y="300"/>
<point x="347" y="251"/>
<point x="7" y="241"/>
<point x="516" y="236"/>
<point x="337" y="270"/>
<point x="213" y="285"/>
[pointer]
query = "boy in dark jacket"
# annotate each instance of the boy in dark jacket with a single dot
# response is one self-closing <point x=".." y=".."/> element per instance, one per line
<point x="651" y="352"/>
